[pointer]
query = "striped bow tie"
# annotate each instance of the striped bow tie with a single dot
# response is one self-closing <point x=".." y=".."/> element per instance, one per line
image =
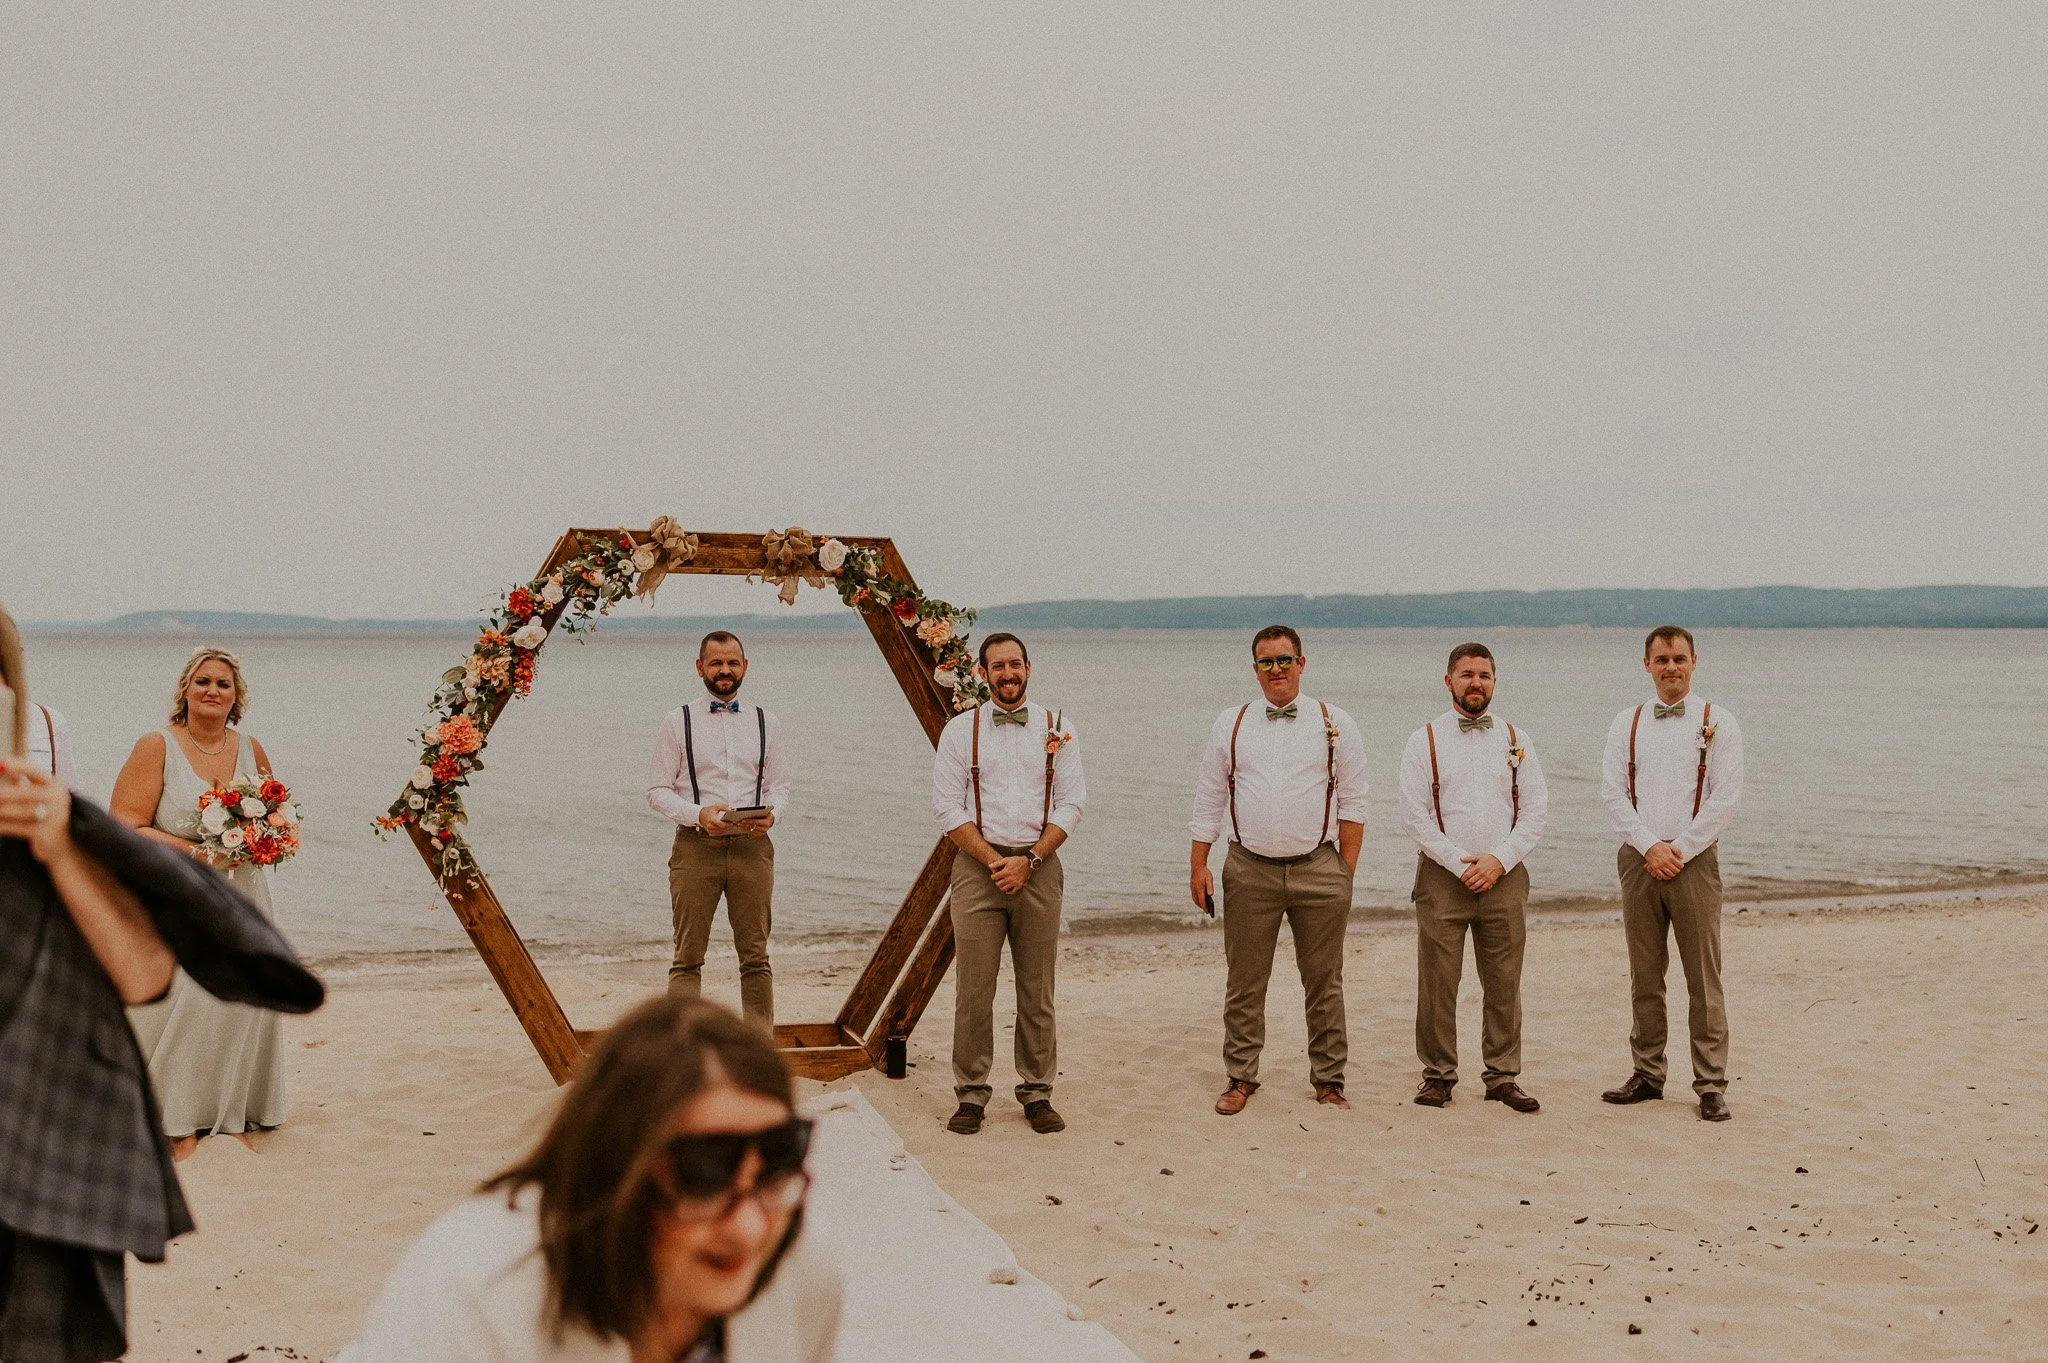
<point x="1019" y="716"/>
<point x="1466" y="725"/>
<point x="1669" y="711"/>
<point x="731" y="707"/>
<point x="1286" y="711"/>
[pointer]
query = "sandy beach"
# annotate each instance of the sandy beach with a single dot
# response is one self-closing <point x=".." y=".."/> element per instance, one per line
<point x="1878" y="1192"/>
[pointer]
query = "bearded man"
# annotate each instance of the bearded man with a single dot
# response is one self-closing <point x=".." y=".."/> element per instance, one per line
<point x="718" y="771"/>
<point x="1474" y="799"/>
<point x="1007" y="789"/>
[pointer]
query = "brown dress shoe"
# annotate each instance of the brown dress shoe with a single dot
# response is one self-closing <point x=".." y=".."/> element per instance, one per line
<point x="1435" y="1092"/>
<point x="1640" y="1088"/>
<point x="965" y="1121"/>
<point x="1232" y="1100"/>
<point x="1511" y="1094"/>
<point x="1043" y="1119"/>
<point x="1714" y="1107"/>
<point x="1333" y="1095"/>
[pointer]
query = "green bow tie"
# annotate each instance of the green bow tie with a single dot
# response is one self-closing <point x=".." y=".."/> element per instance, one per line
<point x="1280" y="711"/>
<point x="1019" y="716"/>
<point x="1669" y="711"/>
<point x="1467" y="725"/>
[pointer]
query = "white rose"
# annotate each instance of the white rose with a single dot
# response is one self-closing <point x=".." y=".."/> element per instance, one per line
<point x="422" y="777"/>
<point x="231" y="839"/>
<point x="415" y="802"/>
<point x="947" y="677"/>
<point x="644" y="557"/>
<point x="532" y="634"/>
<point x="291" y="815"/>
<point x="252" y="808"/>
<point x="552" y="593"/>
<point x="214" y="818"/>
<point x="831" y="555"/>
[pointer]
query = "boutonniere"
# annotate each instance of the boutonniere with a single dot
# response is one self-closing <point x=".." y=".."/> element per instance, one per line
<point x="1516" y="752"/>
<point x="1331" y="733"/>
<point x="1706" y="735"/>
<point x="1056" y="735"/>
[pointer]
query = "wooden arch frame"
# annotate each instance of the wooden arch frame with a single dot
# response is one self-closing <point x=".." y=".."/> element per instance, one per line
<point x="907" y="964"/>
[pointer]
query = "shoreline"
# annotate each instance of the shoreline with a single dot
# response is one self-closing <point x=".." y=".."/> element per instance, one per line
<point x="819" y="948"/>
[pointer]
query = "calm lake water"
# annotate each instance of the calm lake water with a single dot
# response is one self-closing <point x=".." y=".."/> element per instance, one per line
<point x="1877" y="759"/>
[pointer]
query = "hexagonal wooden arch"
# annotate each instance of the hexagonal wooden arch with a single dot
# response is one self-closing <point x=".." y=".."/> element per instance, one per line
<point x="907" y="964"/>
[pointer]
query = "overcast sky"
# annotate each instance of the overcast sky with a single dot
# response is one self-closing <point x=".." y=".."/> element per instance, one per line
<point x="350" y="309"/>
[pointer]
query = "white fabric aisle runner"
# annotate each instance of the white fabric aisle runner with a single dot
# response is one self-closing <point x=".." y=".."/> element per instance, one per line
<point x="918" y="1264"/>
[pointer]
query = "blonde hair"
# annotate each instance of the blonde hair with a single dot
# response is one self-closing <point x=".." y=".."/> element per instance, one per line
<point x="199" y="658"/>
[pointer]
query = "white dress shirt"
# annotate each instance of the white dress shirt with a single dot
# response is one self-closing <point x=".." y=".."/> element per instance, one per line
<point x="728" y="754"/>
<point x="1478" y="789"/>
<point x="49" y="744"/>
<point x="1012" y="777"/>
<point x="1283" y="778"/>
<point x="1667" y="774"/>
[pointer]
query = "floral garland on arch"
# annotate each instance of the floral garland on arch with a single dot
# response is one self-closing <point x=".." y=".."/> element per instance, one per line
<point x="500" y="665"/>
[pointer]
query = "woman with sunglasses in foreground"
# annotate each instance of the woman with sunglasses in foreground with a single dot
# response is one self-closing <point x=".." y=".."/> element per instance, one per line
<point x="644" y="1228"/>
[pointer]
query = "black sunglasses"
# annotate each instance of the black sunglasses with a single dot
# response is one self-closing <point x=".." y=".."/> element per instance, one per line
<point x="702" y="1167"/>
<point x="1278" y="663"/>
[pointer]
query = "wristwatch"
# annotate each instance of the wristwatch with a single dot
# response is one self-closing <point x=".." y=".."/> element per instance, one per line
<point x="1035" y="859"/>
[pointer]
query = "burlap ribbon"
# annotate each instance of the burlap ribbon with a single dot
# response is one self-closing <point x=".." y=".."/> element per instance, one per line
<point x="791" y="560"/>
<point x="672" y="547"/>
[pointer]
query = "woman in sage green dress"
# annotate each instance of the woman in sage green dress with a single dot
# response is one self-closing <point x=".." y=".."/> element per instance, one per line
<point x="217" y="1067"/>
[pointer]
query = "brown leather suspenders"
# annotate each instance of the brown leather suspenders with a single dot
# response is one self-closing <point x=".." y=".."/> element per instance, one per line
<point x="1699" y="789"/>
<point x="1330" y="776"/>
<point x="1230" y="775"/>
<point x="1436" y="780"/>
<point x="974" y="772"/>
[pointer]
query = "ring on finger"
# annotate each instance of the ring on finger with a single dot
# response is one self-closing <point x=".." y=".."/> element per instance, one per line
<point x="41" y="812"/>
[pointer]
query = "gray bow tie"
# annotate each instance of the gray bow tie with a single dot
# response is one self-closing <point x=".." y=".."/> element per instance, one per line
<point x="1466" y="725"/>
<point x="1020" y="715"/>
<point x="1664" y="711"/>
<point x="1280" y="711"/>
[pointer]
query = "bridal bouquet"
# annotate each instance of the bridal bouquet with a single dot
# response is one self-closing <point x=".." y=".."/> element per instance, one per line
<point x="250" y="823"/>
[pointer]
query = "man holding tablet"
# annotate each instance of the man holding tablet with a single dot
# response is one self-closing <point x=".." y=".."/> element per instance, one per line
<point x="719" y="773"/>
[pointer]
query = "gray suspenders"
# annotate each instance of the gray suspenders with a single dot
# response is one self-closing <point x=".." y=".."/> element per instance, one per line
<point x="690" y="755"/>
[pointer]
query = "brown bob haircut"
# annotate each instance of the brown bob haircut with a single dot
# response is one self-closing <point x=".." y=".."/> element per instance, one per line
<point x="1670" y="633"/>
<point x="1277" y="632"/>
<point x="597" y="1165"/>
<point x="1464" y="651"/>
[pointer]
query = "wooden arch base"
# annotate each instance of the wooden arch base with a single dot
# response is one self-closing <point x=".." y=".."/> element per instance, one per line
<point x="908" y="963"/>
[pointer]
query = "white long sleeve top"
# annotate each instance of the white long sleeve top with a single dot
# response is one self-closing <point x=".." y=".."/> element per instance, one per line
<point x="1667" y="773"/>
<point x="727" y="750"/>
<point x="1282" y="779"/>
<point x="1478" y="789"/>
<point x="1012" y="777"/>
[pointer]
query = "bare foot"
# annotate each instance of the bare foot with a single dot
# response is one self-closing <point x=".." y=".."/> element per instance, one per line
<point x="247" y="1143"/>
<point x="183" y="1146"/>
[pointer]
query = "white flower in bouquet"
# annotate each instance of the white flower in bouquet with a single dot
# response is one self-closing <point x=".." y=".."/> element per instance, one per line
<point x="422" y="777"/>
<point x="232" y="839"/>
<point x="415" y="802"/>
<point x="214" y="818"/>
<point x="251" y="808"/>
<point x="552" y="593"/>
<point x="644" y="557"/>
<point x="532" y="634"/>
<point x="947" y="677"/>
<point x="289" y="813"/>
<point x="831" y="556"/>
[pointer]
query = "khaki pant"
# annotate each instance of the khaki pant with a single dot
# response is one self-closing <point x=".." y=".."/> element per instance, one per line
<point x="1689" y="906"/>
<point x="1314" y="897"/>
<point x="983" y="919"/>
<point x="1444" y="909"/>
<point x="742" y="870"/>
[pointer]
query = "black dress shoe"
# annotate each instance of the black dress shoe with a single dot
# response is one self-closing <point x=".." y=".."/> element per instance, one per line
<point x="1714" y="1107"/>
<point x="966" y="1121"/>
<point x="1510" y="1093"/>
<point x="1435" y="1092"/>
<point x="1640" y="1088"/>
<point x="1042" y="1118"/>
